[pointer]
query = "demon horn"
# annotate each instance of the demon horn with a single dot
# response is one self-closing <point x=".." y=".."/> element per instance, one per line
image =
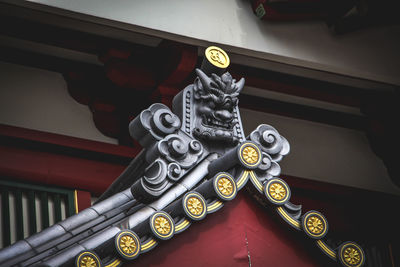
<point x="205" y="80"/>
<point x="239" y="86"/>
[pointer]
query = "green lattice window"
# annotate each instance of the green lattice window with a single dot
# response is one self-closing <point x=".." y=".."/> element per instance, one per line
<point x="28" y="208"/>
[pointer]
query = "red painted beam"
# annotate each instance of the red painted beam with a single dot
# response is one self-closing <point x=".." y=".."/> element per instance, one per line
<point x="54" y="169"/>
<point x="67" y="141"/>
<point x="93" y="166"/>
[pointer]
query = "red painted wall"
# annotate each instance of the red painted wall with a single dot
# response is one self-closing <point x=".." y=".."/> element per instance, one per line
<point x="240" y="232"/>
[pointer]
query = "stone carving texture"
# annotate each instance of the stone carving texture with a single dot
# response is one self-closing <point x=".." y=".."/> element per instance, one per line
<point x="153" y="124"/>
<point x="216" y="97"/>
<point x="273" y="146"/>
<point x="194" y="159"/>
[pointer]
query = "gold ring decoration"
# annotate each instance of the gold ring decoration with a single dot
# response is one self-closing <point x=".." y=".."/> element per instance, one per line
<point x="87" y="259"/>
<point x="218" y="57"/>
<point x="182" y="225"/>
<point x="148" y="245"/>
<point x="243" y="179"/>
<point x="351" y="254"/>
<point x="162" y="225"/>
<point x="289" y="219"/>
<point x="314" y="224"/>
<point x="225" y="186"/>
<point x="326" y="249"/>
<point x="194" y="206"/>
<point x="114" y="263"/>
<point x="249" y="155"/>
<point x="127" y="244"/>
<point x="214" y="206"/>
<point x="277" y="191"/>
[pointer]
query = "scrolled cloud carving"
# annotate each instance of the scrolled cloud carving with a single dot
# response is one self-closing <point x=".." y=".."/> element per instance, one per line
<point x="184" y="152"/>
<point x="154" y="124"/>
<point x="270" y="141"/>
<point x="154" y="179"/>
<point x="268" y="168"/>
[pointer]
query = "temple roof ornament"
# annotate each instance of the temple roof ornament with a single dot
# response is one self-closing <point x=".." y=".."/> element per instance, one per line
<point x="195" y="158"/>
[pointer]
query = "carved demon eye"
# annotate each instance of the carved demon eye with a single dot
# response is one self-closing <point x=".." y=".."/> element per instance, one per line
<point x="228" y="104"/>
<point x="211" y="104"/>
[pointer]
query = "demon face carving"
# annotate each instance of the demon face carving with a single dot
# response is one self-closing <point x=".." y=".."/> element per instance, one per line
<point x="216" y="98"/>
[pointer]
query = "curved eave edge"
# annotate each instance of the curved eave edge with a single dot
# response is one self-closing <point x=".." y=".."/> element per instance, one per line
<point x="312" y="223"/>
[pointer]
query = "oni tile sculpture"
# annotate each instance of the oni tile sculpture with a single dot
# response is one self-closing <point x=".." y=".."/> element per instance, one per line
<point x="194" y="159"/>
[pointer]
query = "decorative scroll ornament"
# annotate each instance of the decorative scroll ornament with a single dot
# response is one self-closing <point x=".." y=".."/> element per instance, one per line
<point x="153" y="124"/>
<point x="270" y="141"/>
<point x="194" y="160"/>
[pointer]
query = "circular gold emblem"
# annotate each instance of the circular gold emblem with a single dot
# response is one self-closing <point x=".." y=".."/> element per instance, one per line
<point x="250" y="154"/>
<point x="88" y="261"/>
<point x="217" y="57"/>
<point x="195" y="206"/>
<point x="225" y="186"/>
<point x="162" y="225"/>
<point x="128" y="244"/>
<point x="277" y="191"/>
<point x="315" y="224"/>
<point x="352" y="256"/>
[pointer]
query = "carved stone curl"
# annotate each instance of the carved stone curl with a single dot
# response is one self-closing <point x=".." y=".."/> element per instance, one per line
<point x="153" y="124"/>
<point x="268" y="168"/>
<point x="270" y="141"/>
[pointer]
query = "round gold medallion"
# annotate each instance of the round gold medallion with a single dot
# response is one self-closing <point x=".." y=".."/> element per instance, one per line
<point x="351" y="254"/>
<point x="127" y="243"/>
<point x="88" y="261"/>
<point x="277" y="191"/>
<point x="217" y="57"/>
<point x="225" y="186"/>
<point x="250" y="155"/>
<point x="315" y="224"/>
<point x="195" y="206"/>
<point x="162" y="225"/>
